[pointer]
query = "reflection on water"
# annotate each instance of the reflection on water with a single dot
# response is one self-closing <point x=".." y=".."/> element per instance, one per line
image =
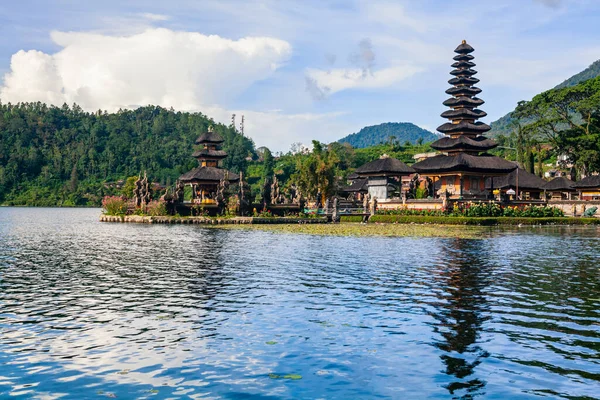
<point x="91" y="310"/>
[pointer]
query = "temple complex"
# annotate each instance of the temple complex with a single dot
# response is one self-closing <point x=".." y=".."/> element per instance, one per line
<point x="462" y="167"/>
<point x="205" y="179"/>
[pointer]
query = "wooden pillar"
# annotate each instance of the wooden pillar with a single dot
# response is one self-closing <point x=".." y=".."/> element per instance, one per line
<point x="461" y="186"/>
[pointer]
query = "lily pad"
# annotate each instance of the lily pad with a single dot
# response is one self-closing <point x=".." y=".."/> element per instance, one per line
<point x="123" y="372"/>
<point x="271" y="342"/>
<point x="274" y="376"/>
<point x="153" y="391"/>
<point x="292" y="376"/>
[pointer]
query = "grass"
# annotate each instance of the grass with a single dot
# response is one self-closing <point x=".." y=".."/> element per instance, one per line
<point x="357" y="229"/>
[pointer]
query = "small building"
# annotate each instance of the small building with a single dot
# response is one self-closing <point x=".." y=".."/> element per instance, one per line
<point x="560" y="188"/>
<point x="526" y="185"/>
<point x="384" y="176"/>
<point x="205" y="179"/>
<point x="589" y="188"/>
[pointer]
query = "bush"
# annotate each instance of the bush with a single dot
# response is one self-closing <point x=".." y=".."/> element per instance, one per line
<point x="114" y="205"/>
<point x="449" y="220"/>
<point x="156" y="208"/>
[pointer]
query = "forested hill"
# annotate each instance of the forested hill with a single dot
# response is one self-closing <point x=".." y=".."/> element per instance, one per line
<point x="503" y="125"/>
<point x="399" y="132"/>
<point x="65" y="156"/>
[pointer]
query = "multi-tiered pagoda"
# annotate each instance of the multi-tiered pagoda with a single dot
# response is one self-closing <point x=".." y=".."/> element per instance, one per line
<point x="463" y="164"/>
<point x="206" y="177"/>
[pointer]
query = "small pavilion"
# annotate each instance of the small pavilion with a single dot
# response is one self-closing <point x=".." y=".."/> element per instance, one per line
<point x="527" y="186"/>
<point x="589" y="188"/>
<point x="384" y="176"/>
<point x="463" y="164"/>
<point x="205" y="179"/>
<point x="560" y="188"/>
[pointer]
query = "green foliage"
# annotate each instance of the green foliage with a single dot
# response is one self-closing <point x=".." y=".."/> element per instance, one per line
<point x="570" y="119"/>
<point x="484" y="221"/>
<point x="389" y="132"/>
<point x="114" y="205"/>
<point x="156" y="208"/>
<point x="128" y="187"/>
<point x="64" y="156"/>
<point x="505" y="124"/>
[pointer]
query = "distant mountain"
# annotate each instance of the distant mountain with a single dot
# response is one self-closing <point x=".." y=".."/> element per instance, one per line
<point x="399" y="131"/>
<point x="502" y="126"/>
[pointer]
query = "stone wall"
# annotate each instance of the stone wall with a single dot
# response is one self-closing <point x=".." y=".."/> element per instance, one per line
<point x="575" y="208"/>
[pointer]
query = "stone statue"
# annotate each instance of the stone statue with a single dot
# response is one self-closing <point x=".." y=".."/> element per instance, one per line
<point x="373" y="206"/>
<point x="292" y="192"/>
<point x="335" y="215"/>
<point x="326" y="209"/>
<point x="319" y="199"/>
<point x="366" y="202"/>
<point x="179" y="190"/>
<point x="275" y="191"/>
<point x="430" y="189"/>
<point x="590" y="212"/>
<point x="137" y="191"/>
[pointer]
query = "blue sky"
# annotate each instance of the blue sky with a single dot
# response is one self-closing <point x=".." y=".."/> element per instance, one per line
<point x="297" y="70"/>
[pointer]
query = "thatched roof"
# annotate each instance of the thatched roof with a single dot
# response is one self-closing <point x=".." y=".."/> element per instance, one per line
<point x="353" y="176"/>
<point x="464" y="127"/>
<point x="206" y="153"/>
<point x="592" y="181"/>
<point x="480" y="143"/>
<point x="209" y="137"/>
<point x="463" y="113"/>
<point x="360" y="185"/>
<point x="463" y="162"/>
<point x="464" y="48"/>
<point x="560" y="184"/>
<point x="385" y="166"/>
<point x="463" y="80"/>
<point x="463" y="101"/>
<point x="207" y="174"/>
<point x="463" y="91"/>
<point x="526" y="181"/>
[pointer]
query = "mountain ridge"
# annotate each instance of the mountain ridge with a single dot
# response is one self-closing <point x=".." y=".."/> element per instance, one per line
<point x="381" y="133"/>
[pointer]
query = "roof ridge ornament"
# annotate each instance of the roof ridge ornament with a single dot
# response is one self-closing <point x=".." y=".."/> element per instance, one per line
<point x="210" y="128"/>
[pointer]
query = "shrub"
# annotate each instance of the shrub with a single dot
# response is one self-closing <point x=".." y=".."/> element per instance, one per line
<point x="114" y="205"/>
<point x="156" y="208"/>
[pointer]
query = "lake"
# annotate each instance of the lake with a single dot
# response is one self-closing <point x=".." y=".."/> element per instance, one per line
<point x="100" y="310"/>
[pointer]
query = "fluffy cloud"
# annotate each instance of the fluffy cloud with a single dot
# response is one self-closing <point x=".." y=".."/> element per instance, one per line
<point x="328" y="82"/>
<point x="184" y="70"/>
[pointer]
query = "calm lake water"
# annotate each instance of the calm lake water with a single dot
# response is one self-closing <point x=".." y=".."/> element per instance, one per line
<point x="92" y="310"/>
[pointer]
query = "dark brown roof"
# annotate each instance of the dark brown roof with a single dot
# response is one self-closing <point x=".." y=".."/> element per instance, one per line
<point x="464" y="48"/>
<point x="464" y="113"/>
<point x="463" y="57"/>
<point x="209" y="137"/>
<point x="592" y="181"/>
<point x="353" y="176"/>
<point x="526" y="179"/>
<point x="463" y="101"/>
<point x="463" y="72"/>
<point x="206" y="153"/>
<point x="560" y="184"/>
<point x="463" y="80"/>
<point x="386" y="165"/>
<point x="464" y="127"/>
<point x="463" y="64"/>
<point x="480" y="143"/>
<point x="463" y="162"/>
<point x="360" y="185"/>
<point x="463" y="91"/>
<point x="210" y="174"/>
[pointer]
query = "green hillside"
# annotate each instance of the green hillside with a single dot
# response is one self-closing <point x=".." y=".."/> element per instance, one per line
<point x="66" y="156"/>
<point x="503" y="126"/>
<point x="398" y="132"/>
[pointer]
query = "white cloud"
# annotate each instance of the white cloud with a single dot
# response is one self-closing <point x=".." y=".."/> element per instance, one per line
<point x="339" y="79"/>
<point x="185" y="70"/>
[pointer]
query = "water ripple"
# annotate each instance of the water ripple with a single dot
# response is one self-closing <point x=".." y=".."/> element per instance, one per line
<point x="91" y="310"/>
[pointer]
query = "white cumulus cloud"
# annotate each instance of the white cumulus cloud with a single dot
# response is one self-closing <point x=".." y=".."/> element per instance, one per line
<point x="184" y="70"/>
